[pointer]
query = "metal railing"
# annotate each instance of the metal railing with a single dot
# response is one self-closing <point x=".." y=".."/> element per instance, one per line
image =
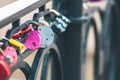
<point x="18" y="9"/>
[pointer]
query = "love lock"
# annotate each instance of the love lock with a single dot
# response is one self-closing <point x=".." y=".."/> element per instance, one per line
<point x="4" y="67"/>
<point x="46" y="33"/>
<point x="8" y="59"/>
<point x="4" y="70"/>
<point x="10" y="56"/>
<point x="33" y="40"/>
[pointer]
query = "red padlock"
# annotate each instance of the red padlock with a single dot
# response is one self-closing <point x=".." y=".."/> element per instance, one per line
<point x="4" y="70"/>
<point x="21" y="32"/>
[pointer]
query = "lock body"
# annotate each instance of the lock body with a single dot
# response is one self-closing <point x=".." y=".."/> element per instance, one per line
<point x="46" y="33"/>
<point x="33" y="40"/>
<point x="4" y="70"/>
<point x="10" y="56"/>
<point x="8" y="59"/>
<point x="11" y="53"/>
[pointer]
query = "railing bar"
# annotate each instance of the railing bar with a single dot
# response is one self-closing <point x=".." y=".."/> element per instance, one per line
<point x="19" y="9"/>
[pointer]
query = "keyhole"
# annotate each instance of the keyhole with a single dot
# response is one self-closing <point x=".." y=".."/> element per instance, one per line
<point x="33" y="44"/>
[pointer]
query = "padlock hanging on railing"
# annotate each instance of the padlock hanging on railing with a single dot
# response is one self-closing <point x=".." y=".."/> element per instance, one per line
<point x="8" y="59"/>
<point x="41" y="37"/>
<point x="60" y="23"/>
<point x="32" y="40"/>
<point x="46" y="32"/>
<point x="9" y="55"/>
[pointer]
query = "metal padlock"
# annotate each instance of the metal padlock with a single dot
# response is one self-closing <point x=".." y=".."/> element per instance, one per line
<point x="33" y="40"/>
<point x="46" y="33"/>
<point x="61" y="23"/>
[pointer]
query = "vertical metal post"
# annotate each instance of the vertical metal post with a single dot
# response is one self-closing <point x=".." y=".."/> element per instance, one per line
<point x="71" y="57"/>
<point x="117" y="2"/>
<point x="115" y="40"/>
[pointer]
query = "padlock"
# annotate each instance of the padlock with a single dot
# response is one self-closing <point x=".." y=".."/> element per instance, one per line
<point x="33" y="40"/>
<point x="8" y="59"/>
<point x="60" y="23"/>
<point x="21" y="32"/>
<point x="46" y="33"/>
<point x="10" y="56"/>
<point x="4" y="70"/>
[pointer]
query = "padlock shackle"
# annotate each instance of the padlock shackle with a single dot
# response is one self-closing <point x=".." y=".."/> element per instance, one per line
<point x="27" y="23"/>
<point x="21" y="32"/>
<point x="54" y="12"/>
<point x="43" y="13"/>
<point x="31" y="22"/>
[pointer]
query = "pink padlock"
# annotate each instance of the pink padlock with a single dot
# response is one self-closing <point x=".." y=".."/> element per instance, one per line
<point x="5" y="66"/>
<point x="12" y="54"/>
<point x="9" y="52"/>
<point x="33" y="40"/>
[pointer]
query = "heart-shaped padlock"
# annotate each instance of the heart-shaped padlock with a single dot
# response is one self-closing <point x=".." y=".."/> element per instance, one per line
<point x="33" y="40"/>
